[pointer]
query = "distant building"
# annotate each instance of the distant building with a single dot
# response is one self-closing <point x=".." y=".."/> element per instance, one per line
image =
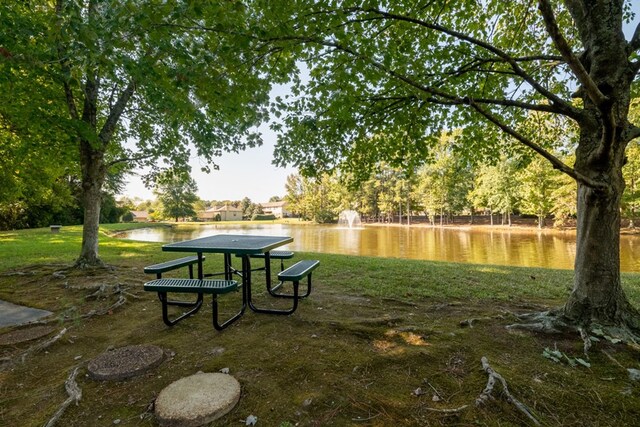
<point x="227" y="213"/>
<point x="140" y="216"/>
<point x="277" y="209"/>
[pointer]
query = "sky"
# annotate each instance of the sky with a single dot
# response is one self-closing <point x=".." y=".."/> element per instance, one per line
<point x="245" y="174"/>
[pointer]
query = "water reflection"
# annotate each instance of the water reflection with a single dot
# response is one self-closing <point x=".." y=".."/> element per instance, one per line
<point x="506" y="247"/>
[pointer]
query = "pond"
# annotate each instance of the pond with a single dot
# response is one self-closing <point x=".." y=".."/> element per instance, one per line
<point x="516" y="247"/>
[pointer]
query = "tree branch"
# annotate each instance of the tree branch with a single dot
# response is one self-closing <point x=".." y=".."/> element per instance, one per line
<point x="128" y="160"/>
<point x="557" y="163"/>
<point x="475" y="64"/>
<point x="64" y="67"/>
<point x="451" y="99"/>
<point x="114" y="115"/>
<point x="565" y="50"/>
<point x="564" y="106"/>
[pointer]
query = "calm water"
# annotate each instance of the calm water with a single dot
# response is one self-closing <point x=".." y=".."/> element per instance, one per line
<point x="551" y="250"/>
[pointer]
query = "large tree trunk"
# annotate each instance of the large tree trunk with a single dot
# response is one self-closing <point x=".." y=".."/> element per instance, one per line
<point x="93" y="176"/>
<point x="597" y="294"/>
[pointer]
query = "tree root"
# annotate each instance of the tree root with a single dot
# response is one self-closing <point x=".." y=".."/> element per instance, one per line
<point x="121" y="301"/>
<point x="586" y="340"/>
<point x="448" y="411"/>
<point x="75" y="394"/>
<point x="555" y="322"/>
<point x="486" y="393"/>
<point x="31" y="350"/>
<point x="85" y="264"/>
<point x="613" y="359"/>
<point x="100" y="291"/>
<point x="543" y="322"/>
<point x="472" y="321"/>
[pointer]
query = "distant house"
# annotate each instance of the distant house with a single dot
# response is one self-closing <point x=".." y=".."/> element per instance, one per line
<point x="140" y="216"/>
<point x="227" y="213"/>
<point x="277" y="209"/>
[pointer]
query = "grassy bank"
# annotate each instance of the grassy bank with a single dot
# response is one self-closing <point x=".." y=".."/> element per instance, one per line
<point x="379" y="342"/>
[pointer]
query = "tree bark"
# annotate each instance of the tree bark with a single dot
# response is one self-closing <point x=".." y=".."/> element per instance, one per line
<point x="597" y="294"/>
<point x="93" y="176"/>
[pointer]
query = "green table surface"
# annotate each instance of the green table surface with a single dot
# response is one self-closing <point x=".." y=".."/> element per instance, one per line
<point x="229" y="243"/>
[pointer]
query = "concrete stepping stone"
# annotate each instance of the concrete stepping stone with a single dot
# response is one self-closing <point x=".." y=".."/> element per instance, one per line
<point x="197" y="400"/>
<point x="125" y="362"/>
<point x="14" y="314"/>
<point x="26" y="334"/>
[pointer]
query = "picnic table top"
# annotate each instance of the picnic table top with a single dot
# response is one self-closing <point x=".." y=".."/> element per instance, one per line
<point x="229" y="243"/>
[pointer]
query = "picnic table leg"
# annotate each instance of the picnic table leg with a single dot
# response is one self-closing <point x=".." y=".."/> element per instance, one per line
<point x="165" y="303"/>
<point x="246" y="280"/>
<point x="200" y="272"/>
<point x="306" y="294"/>
<point x="214" y="308"/>
<point x="227" y="267"/>
<point x="247" y="268"/>
<point x="273" y="288"/>
<point x="267" y="269"/>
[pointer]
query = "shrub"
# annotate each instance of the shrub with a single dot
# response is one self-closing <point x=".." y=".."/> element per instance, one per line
<point x="263" y="217"/>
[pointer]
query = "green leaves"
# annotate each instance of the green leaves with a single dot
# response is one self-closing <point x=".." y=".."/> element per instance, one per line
<point x="176" y="192"/>
<point x="412" y="70"/>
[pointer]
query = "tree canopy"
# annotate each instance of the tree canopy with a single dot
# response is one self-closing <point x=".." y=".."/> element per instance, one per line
<point x="130" y="82"/>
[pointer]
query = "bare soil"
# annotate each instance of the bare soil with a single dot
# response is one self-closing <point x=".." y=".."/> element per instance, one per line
<point x="343" y="359"/>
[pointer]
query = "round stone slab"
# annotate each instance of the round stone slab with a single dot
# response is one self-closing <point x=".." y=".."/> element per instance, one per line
<point x="197" y="400"/>
<point x="125" y="362"/>
<point x="27" y="334"/>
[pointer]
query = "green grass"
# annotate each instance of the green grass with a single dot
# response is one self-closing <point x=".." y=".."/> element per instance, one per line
<point x="41" y="246"/>
<point x="372" y="332"/>
<point x="372" y="276"/>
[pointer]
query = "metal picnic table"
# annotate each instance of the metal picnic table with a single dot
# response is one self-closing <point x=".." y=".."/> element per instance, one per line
<point x="240" y="245"/>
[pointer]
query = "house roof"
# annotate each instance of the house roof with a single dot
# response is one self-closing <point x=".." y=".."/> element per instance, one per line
<point x="225" y="208"/>
<point x="140" y="214"/>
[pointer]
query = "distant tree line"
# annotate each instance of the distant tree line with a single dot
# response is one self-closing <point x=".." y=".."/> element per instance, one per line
<point x="450" y="185"/>
<point x="33" y="199"/>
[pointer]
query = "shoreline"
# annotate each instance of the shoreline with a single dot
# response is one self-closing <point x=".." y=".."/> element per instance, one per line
<point x="479" y="227"/>
<point x="519" y="225"/>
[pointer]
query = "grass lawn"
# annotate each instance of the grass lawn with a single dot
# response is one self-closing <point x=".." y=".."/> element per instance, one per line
<point x="380" y="342"/>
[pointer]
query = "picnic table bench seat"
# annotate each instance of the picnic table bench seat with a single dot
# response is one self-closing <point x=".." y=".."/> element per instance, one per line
<point x="299" y="270"/>
<point x="173" y="264"/>
<point x="295" y="274"/>
<point x="196" y="286"/>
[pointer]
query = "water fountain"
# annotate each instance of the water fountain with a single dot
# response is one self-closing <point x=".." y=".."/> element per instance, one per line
<point x="349" y="219"/>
